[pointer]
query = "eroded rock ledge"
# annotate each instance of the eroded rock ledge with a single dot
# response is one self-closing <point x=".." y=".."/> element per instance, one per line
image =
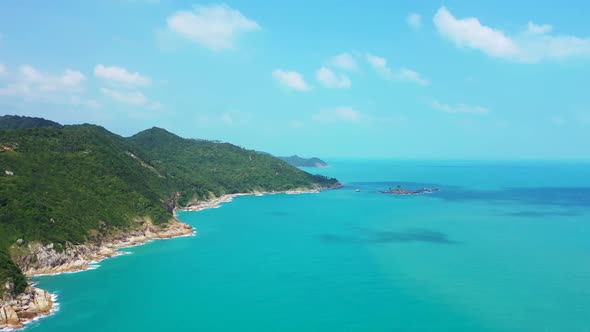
<point x="15" y="311"/>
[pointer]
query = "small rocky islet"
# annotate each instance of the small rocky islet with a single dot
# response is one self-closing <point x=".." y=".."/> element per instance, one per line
<point x="402" y="191"/>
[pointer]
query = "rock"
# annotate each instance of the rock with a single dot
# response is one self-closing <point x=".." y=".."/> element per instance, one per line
<point x="20" y="242"/>
<point x="41" y="303"/>
<point x="8" y="286"/>
<point x="11" y="319"/>
<point x="26" y="315"/>
<point x="2" y="318"/>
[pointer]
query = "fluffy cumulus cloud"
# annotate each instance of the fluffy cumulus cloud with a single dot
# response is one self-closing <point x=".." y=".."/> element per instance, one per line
<point x="533" y="44"/>
<point x="414" y="20"/>
<point x="458" y="108"/>
<point x="134" y="98"/>
<point x="291" y="79"/>
<point x="33" y="85"/>
<point x="344" y="61"/>
<point x="30" y="82"/>
<point x="330" y="80"/>
<point x="380" y="65"/>
<point x="121" y="75"/>
<point x="214" y="26"/>
<point x="339" y="114"/>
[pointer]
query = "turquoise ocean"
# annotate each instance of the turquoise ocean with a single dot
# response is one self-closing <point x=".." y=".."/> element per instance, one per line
<point x="503" y="246"/>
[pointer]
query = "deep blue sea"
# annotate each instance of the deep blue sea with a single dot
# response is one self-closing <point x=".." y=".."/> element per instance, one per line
<point x="504" y="246"/>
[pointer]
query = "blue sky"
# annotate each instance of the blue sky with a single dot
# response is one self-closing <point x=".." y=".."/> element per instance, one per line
<point x="385" y="79"/>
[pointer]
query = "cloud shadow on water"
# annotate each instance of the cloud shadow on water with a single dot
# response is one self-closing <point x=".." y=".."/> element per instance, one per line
<point x="366" y="236"/>
<point x="542" y="214"/>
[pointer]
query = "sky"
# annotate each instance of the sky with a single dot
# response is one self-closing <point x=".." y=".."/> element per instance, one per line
<point x="367" y="79"/>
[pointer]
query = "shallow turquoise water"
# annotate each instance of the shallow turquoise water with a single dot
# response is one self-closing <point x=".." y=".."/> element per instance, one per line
<point x="504" y="246"/>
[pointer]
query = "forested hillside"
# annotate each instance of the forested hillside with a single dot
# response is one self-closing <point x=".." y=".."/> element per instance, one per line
<point x="61" y="184"/>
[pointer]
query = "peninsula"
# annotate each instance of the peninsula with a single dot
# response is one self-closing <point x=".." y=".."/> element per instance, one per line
<point x="304" y="162"/>
<point x="72" y="195"/>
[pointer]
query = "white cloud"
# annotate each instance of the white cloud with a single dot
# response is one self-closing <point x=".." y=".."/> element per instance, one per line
<point x="380" y="65"/>
<point x="410" y="75"/>
<point x="330" y="80"/>
<point x="414" y="20"/>
<point x="2" y="69"/>
<point x="339" y="114"/>
<point x="459" y="108"/>
<point x="32" y="83"/>
<point x="533" y="45"/>
<point x="404" y="74"/>
<point x="291" y="79"/>
<point x="130" y="98"/>
<point x="214" y="26"/>
<point x="121" y="75"/>
<point x="470" y="32"/>
<point x="538" y="29"/>
<point x="344" y="61"/>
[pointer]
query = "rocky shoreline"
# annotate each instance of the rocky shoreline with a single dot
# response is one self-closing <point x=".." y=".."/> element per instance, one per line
<point x="34" y="303"/>
<point x="217" y="201"/>
<point x="18" y="310"/>
<point x="45" y="259"/>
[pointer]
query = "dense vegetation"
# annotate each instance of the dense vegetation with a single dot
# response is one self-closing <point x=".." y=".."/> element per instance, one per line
<point x="61" y="184"/>
<point x="20" y="122"/>
<point x="304" y="162"/>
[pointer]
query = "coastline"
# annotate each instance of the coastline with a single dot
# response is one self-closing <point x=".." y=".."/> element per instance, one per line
<point x="217" y="201"/>
<point x="44" y="260"/>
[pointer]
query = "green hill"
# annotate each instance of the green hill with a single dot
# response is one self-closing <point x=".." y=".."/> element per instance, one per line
<point x="304" y="162"/>
<point x="73" y="184"/>
<point x="20" y="122"/>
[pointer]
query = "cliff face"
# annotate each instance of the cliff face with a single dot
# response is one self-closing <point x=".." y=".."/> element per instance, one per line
<point x="17" y="310"/>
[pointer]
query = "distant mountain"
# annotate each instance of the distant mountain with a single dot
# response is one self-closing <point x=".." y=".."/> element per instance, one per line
<point x="23" y="122"/>
<point x="78" y="184"/>
<point x="304" y="162"/>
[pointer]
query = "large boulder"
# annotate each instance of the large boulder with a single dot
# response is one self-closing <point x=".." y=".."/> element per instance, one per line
<point x="42" y="302"/>
<point x="10" y="317"/>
